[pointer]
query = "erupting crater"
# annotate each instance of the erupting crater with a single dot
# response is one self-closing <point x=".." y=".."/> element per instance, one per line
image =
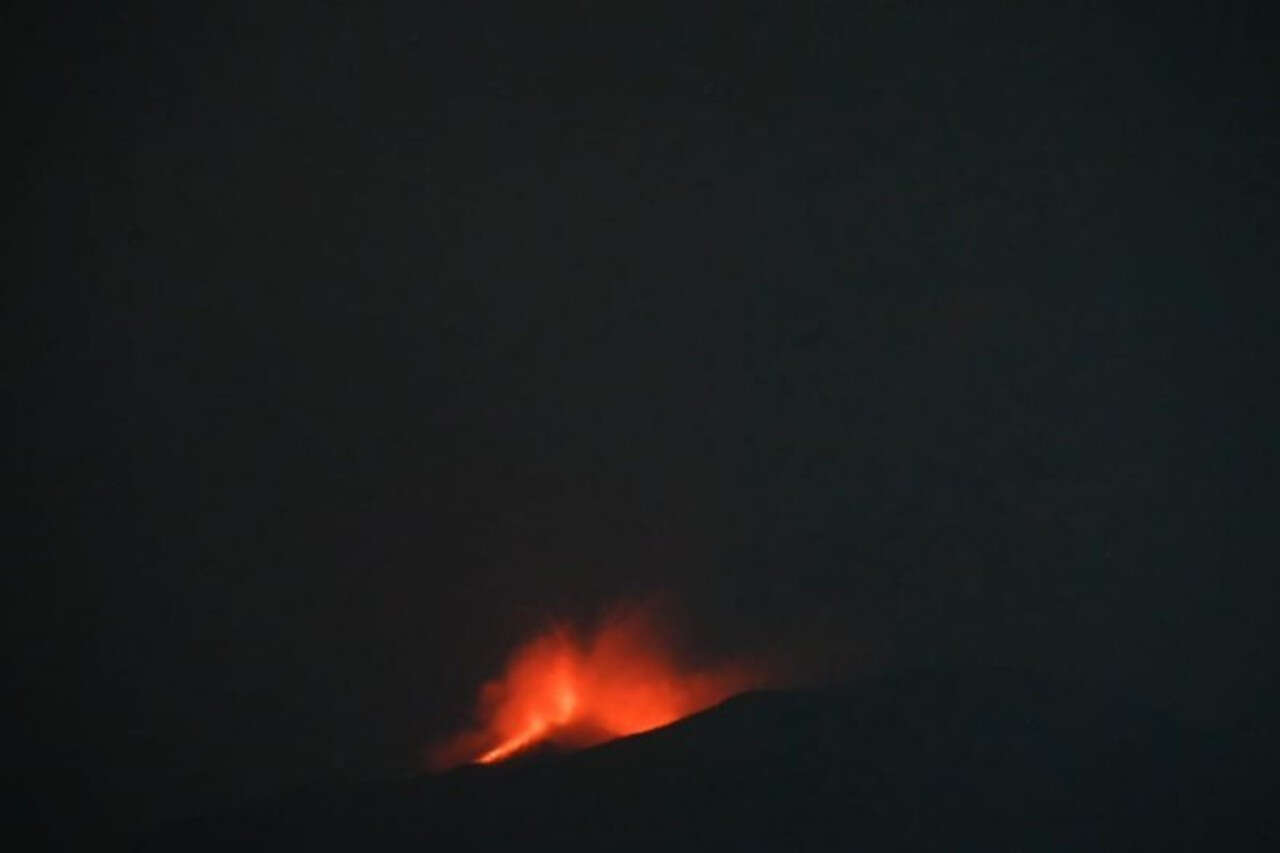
<point x="576" y="692"/>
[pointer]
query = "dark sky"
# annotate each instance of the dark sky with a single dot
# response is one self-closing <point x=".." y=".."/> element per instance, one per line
<point x="357" y="344"/>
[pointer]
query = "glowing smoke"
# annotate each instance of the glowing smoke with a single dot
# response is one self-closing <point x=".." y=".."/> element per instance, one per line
<point x="576" y="691"/>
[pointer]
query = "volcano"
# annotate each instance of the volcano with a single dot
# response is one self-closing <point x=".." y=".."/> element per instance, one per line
<point x="575" y="689"/>
<point x="953" y="761"/>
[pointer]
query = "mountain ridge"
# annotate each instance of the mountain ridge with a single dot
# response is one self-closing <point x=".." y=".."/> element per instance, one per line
<point x="905" y="761"/>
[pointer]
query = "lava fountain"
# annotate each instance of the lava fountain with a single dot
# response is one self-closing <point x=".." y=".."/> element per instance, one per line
<point x="576" y="691"/>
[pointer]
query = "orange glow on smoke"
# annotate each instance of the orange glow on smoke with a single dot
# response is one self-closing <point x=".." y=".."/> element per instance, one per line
<point x="576" y="692"/>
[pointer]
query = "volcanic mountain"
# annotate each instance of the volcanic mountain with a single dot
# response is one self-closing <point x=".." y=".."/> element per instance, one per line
<point x="921" y="760"/>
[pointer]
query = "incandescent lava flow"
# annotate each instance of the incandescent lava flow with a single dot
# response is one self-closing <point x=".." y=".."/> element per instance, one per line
<point x="575" y="692"/>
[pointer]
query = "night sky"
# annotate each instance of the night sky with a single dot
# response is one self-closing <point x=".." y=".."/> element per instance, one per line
<point x="354" y="346"/>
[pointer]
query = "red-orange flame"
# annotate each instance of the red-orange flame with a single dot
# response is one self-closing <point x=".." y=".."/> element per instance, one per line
<point x="622" y="680"/>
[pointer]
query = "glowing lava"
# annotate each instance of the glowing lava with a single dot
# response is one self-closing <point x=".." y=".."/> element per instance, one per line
<point x="557" y="688"/>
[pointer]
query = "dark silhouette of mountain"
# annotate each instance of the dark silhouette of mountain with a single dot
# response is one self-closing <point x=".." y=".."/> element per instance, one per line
<point x="924" y="760"/>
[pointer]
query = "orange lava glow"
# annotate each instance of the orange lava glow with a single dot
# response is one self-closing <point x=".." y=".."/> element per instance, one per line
<point x="576" y="692"/>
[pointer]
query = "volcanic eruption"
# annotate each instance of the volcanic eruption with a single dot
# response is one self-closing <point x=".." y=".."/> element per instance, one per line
<point x="575" y="690"/>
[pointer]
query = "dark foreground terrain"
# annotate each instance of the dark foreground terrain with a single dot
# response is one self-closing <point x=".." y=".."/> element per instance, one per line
<point x="919" y="761"/>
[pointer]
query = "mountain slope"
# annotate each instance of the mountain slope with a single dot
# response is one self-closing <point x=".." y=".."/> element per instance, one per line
<point x="919" y="760"/>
